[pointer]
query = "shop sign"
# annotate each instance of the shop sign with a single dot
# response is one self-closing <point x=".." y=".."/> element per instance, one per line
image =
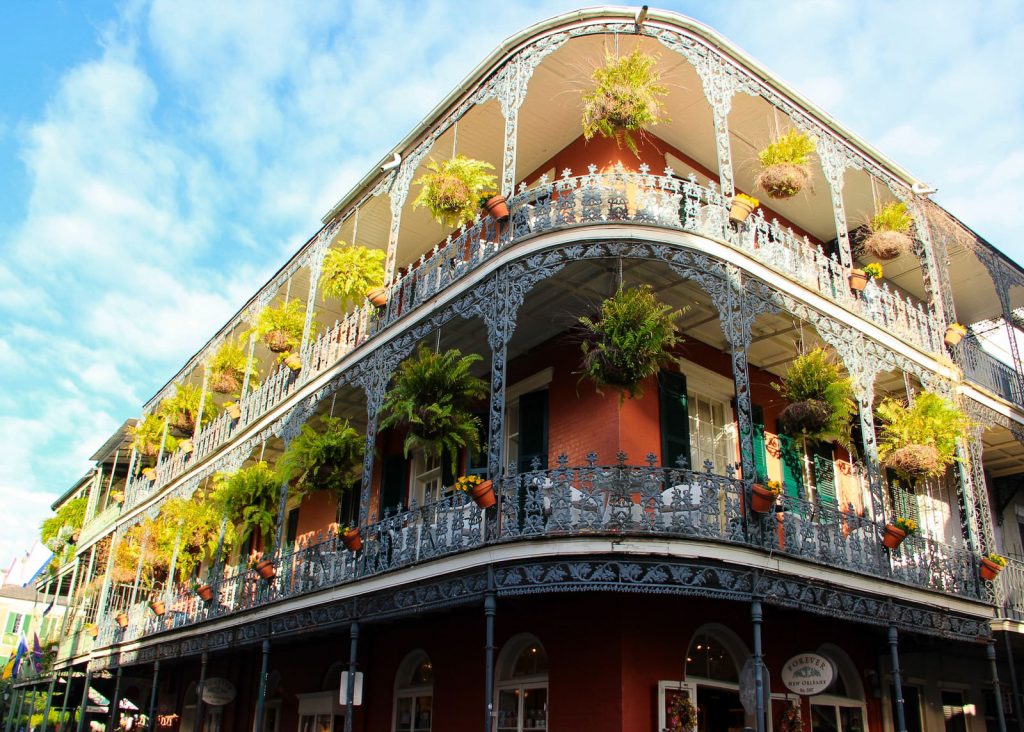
<point x="217" y="692"/>
<point x="807" y="674"/>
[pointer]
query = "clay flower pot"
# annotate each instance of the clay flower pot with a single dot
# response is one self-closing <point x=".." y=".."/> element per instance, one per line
<point x="293" y="361"/>
<point x="989" y="570"/>
<point x="266" y="569"/>
<point x="93" y="630"/>
<point x="378" y="296"/>
<point x="352" y="540"/>
<point x="185" y="446"/>
<point x="122" y="619"/>
<point x="205" y="593"/>
<point x="483" y="494"/>
<point x="893" y="537"/>
<point x="158" y="607"/>
<point x="234" y="411"/>
<point x="497" y="207"/>
<point x="954" y="334"/>
<point x="741" y="208"/>
<point x="762" y="500"/>
<point x="858" y="279"/>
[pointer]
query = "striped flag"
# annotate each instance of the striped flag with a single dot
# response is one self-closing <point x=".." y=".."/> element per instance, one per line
<point x="22" y="650"/>
<point x="8" y="668"/>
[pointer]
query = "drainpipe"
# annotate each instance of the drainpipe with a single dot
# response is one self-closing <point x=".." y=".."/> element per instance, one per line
<point x="490" y="610"/>
<point x="990" y="653"/>
<point x="261" y="693"/>
<point x="114" y="722"/>
<point x="152" y="696"/>
<point x="897" y="684"/>
<point x="350" y="690"/>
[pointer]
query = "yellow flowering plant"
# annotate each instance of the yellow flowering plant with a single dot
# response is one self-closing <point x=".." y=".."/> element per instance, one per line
<point x="468" y="482"/>
<point x="906" y="525"/>
<point x="774" y="487"/>
<point x="996" y="559"/>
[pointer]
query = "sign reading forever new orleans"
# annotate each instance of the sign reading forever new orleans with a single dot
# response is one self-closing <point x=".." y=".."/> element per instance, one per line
<point x="807" y="674"/>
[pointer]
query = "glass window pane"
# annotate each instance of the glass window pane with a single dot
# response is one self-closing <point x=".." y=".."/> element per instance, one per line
<point x="823" y="718"/>
<point x="508" y="710"/>
<point x="423" y="710"/>
<point x="403" y="714"/>
<point x="535" y="709"/>
<point x="531" y="661"/>
<point x="852" y="719"/>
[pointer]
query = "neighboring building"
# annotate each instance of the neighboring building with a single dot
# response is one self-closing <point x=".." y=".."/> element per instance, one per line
<point x="608" y="580"/>
<point x="26" y="613"/>
<point x="26" y="568"/>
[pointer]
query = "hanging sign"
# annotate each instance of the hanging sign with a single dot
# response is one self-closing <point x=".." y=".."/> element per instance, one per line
<point x="217" y="692"/>
<point x="807" y="674"/>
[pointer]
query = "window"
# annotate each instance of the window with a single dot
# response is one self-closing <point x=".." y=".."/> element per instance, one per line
<point x="712" y="436"/>
<point x="426" y="484"/>
<point x="414" y="694"/>
<point x="841" y="707"/>
<point x="522" y="688"/>
<point x="713" y="664"/>
<point x="697" y="424"/>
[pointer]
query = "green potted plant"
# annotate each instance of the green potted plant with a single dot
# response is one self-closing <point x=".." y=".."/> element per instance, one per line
<point x="897" y="531"/>
<point x="480" y="490"/>
<point x="991" y="565"/>
<point x="919" y="440"/>
<point x="280" y="328"/>
<point x="889" y="232"/>
<point x="955" y="333"/>
<point x="742" y="206"/>
<point x="248" y="499"/>
<point x="764" y="496"/>
<point x="227" y="367"/>
<point x="785" y="165"/>
<point x="626" y="99"/>
<point x="202" y="589"/>
<point x="630" y="341"/>
<point x="351" y="273"/>
<point x="148" y="434"/>
<point x="452" y="189"/>
<point x="431" y="398"/>
<point x="820" y="399"/>
<point x="182" y="409"/>
<point x="326" y="459"/>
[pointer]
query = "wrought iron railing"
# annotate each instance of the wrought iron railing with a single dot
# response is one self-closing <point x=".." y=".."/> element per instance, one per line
<point x="590" y="500"/>
<point x="99" y="523"/>
<point x="1010" y="589"/>
<point x="618" y="197"/>
<point x="983" y="368"/>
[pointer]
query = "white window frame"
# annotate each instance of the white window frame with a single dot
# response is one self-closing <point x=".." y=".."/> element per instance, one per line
<point x="422" y="474"/>
<point x="520" y="684"/>
<point x="705" y="383"/>
<point x="411" y="692"/>
<point x="829" y="700"/>
<point x="690" y="687"/>
<point x="535" y="382"/>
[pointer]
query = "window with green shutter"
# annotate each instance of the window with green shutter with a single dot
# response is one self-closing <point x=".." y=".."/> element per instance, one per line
<point x="12" y="619"/>
<point x="675" y="420"/>
<point x="533" y="430"/>
<point x="760" y="449"/>
<point x="904" y="499"/>
<point x="825" y="474"/>
<point x="792" y="466"/>
<point x="392" y="483"/>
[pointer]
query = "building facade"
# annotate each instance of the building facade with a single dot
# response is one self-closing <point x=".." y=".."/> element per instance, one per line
<point x="623" y="566"/>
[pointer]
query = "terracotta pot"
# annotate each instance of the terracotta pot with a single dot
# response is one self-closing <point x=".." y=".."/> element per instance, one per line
<point x="93" y="631"/>
<point x="989" y="570"/>
<point x="740" y="210"/>
<point x="893" y="537"/>
<point x="122" y="619"/>
<point x="149" y="473"/>
<point x="293" y="361"/>
<point x="378" y="296"/>
<point x="234" y="411"/>
<point x="954" y="334"/>
<point x="185" y="446"/>
<point x="266" y="569"/>
<point x="158" y="607"/>
<point x="205" y="593"/>
<point x="353" y="541"/>
<point x="858" y="279"/>
<point x="762" y="500"/>
<point x="483" y="494"/>
<point x="497" y="207"/>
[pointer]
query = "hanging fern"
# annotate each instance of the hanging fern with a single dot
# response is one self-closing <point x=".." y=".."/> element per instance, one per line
<point x="349" y="272"/>
<point x="248" y="499"/>
<point x="454" y="189"/>
<point x="431" y="397"/>
<point x="329" y="458"/>
<point x="280" y="328"/>
<point x="227" y="367"/>
<point x="626" y="98"/>
<point x="182" y="409"/>
<point x="821" y="399"/>
<point x="149" y="433"/>
<point x="919" y="441"/>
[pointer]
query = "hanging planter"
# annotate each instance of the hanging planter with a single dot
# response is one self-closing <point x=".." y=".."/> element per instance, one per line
<point x="820" y="399"/>
<point x="785" y="165"/>
<point x="452" y="189"/>
<point x="889" y="235"/>
<point x="159" y="607"/>
<point x="185" y="446"/>
<point x="148" y="436"/>
<point x="897" y="531"/>
<point x="919" y="441"/>
<point x="92" y="629"/>
<point x="266" y="570"/>
<point x="227" y="367"/>
<point x="496" y="207"/>
<point x="954" y="334"/>
<point x="205" y="592"/>
<point x="182" y="409"/>
<point x="149" y="473"/>
<point x="480" y="490"/>
<point x="626" y="98"/>
<point x="351" y="538"/>
<point x="233" y="409"/>
<point x="742" y="206"/>
<point x="763" y="497"/>
<point x="122" y="620"/>
<point x="349" y="272"/>
<point x="378" y="296"/>
<point x="280" y="328"/>
<point x="991" y="565"/>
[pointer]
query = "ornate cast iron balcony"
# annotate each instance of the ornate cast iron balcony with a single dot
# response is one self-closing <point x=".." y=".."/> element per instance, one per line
<point x="591" y="501"/>
<point x="637" y="199"/>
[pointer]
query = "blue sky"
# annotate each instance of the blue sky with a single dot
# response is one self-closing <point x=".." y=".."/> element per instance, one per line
<point x="159" y="160"/>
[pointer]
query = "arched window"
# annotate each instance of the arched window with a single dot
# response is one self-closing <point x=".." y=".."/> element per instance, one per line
<point x="522" y="688"/>
<point x="714" y="664"/>
<point x="841" y="706"/>
<point x="414" y="693"/>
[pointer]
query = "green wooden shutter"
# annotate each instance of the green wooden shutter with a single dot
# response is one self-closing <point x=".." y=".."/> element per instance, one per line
<point x="12" y="618"/>
<point x="760" y="449"/>
<point x="533" y="430"/>
<point x="792" y="466"/>
<point x="825" y="474"/>
<point x="292" y="532"/>
<point x="675" y="420"/>
<point x="393" y="483"/>
<point x="904" y="499"/>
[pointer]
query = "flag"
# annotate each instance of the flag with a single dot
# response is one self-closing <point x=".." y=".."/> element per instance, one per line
<point x="22" y="650"/>
<point x="8" y="668"/>
<point x="37" y="651"/>
<point x="49" y="607"/>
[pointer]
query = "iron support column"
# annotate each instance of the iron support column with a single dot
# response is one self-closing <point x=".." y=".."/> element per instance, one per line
<point x="756" y="616"/>
<point x="990" y="654"/>
<point x="151" y="725"/>
<point x="85" y="700"/>
<point x="13" y="710"/>
<point x="200" y="707"/>
<point x="261" y="693"/>
<point x="897" y="684"/>
<point x="115" y="702"/>
<point x="350" y="687"/>
<point x="490" y="610"/>
<point x="64" y="699"/>
<point x="49" y="701"/>
<point x="1013" y="681"/>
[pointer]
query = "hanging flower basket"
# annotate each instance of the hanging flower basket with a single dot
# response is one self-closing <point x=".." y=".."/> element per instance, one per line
<point x="122" y="619"/>
<point x="858" y="279"/>
<point x="352" y="540"/>
<point x="762" y="497"/>
<point x="158" y="607"/>
<point x="227" y="381"/>
<point x="277" y="341"/>
<point x="954" y="334"/>
<point x="916" y="461"/>
<point x="991" y="566"/>
<point x="893" y="537"/>
<point x="266" y="569"/>
<point x="496" y="207"/>
<point x="378" y="296"/>
<point x="742" y="206"/>
<point x="887" y="245"/>
<point x="205" y="593"/>
<point x="809" y="416"/>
